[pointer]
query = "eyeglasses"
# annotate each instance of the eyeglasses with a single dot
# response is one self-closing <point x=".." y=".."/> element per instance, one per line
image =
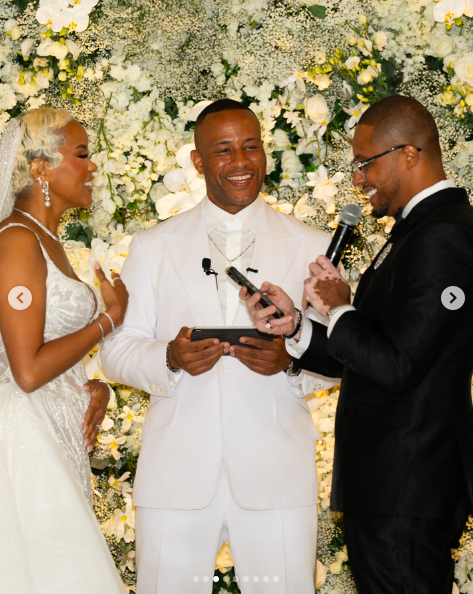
<point x="358" y="165"/>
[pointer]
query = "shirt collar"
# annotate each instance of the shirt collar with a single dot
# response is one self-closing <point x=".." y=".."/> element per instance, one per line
<point x="441" y="185"/>
<point x="248" y="216"/>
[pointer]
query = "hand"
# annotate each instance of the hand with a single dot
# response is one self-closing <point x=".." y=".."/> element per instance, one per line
<point x="115" y="296"/>
<point x="195" y="357"/>
<point x="326" y="288"/>
<point x="271" y="359"/>
<point x="99" y="398"/>
<point x="261" y="316"/>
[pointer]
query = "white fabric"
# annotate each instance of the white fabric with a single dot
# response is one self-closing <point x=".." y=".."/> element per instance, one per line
<point x="8" y="150"/>
<point x="260" y="425"/>
<point x="441" y="185"/>
<point x="232" y="234"/>
<point x="53" y="543"/>
<point x="176" y="549"/>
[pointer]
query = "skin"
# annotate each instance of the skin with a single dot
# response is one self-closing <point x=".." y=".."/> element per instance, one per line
<point x="228" y="144"/>
<point x="33" y="362"/>
<point x="395" y="179"/>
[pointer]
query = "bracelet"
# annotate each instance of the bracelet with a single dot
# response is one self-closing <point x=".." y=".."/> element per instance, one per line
<point x="168" y="365"/>
<point x="334" y="310"/>
<point x="298" y="325"/>
<point x="101" y="328"/>
<point x="110" y="318"/>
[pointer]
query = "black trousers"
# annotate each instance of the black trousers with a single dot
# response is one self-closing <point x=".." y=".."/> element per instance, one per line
<point x="398" y="555"/>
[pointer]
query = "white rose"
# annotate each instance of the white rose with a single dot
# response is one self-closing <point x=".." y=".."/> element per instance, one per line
<point x="365" y="77"/>
<point x="217" y="69"/>
<point x="43" y="47"/>
<point x="461" y="159"/>
<point x="8" y="26"/>
<point x="40" y="63"/>
<point x="7" y="97"/>
<point x="58" y="50"/>
<point x="72" y="48"/>
<point x="352" y="62"/>
<point x="100" y="218"/>
<point x="62" y="76"/>
<point x="464" y="68"/>
<point x="441" y="46"/>
<point x="158" y="191"/>
<point x="27" y="47"/>
<point x="380" y="39"/>
<point x="15" y="33"/>
<point x="290" y="162"/>
<point x="323" y="82"/>
<point x="316" y="108"/>
<point x="280" y="140"/>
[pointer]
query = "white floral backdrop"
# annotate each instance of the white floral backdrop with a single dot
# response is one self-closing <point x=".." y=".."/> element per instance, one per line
<point x="138" y="73"/>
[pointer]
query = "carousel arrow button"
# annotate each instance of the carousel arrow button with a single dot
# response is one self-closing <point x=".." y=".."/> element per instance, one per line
<point x="453" y="298"/>
<point x="20" y="298"/>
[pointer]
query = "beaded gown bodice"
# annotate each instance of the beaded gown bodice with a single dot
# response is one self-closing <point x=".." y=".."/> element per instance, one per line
<point x="62" y="403"/>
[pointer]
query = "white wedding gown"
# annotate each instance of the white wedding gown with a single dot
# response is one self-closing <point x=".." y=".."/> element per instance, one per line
<point x="50" y="541"/>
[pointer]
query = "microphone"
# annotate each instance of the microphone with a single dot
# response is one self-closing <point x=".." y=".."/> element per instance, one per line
<point x="207" y="267"/>
<point x="350" y="216"/>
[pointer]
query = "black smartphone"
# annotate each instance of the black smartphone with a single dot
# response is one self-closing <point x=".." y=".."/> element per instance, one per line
<point x="241" y="280"/>
<point x="230" y="334"/>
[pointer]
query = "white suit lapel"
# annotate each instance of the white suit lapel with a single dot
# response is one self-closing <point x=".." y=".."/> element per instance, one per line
<point x="186" y="247"/>
<point x="273" y="255"/>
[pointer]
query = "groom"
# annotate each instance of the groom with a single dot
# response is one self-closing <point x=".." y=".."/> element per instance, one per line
<point x="228" y="448"/>
<point x="403" y="466"/>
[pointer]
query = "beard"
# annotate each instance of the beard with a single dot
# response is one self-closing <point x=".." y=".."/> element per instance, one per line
<point x="385" y="199"/>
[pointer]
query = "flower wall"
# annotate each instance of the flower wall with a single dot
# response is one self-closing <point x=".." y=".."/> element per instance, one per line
<point x="137" y="74"/>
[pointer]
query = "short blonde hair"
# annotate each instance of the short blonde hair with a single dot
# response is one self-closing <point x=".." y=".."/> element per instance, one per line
<point x="40" y="137"/>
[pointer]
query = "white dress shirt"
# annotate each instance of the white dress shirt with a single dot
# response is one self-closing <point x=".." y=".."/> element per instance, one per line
<point x="297" y="349"/>
<point x="233" y="234"/>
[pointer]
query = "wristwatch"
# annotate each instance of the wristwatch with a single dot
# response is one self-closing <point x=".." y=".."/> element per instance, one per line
<point x="292" y="369"/>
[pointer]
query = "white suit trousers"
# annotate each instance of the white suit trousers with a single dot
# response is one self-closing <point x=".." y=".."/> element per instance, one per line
<point x="274" y="551"/>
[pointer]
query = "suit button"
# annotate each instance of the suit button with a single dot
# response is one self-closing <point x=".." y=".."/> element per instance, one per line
<point x="221" y="368"/>
<point x="160" y="390"/>
<point x="151" y="388"/>
<point x="315" y="386"/>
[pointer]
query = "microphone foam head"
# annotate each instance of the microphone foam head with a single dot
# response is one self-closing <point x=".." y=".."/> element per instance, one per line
<point x="350" y="214"/>
<point x="206" y="263"/>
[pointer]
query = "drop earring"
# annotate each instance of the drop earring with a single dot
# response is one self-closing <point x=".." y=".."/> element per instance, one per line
<point x="45" y="190"/>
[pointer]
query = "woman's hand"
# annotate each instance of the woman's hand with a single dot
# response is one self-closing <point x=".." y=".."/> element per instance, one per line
<point x="115" y="295"/>
<point x="99" y="398"/>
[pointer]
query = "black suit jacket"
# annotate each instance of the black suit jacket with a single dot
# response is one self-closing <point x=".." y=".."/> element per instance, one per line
<point x="404" y="422"/>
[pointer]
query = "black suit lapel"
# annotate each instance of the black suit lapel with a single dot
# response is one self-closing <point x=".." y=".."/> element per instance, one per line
<point x="405" y="225"/>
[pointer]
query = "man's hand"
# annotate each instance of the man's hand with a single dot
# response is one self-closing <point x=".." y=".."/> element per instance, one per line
<point x="195" y="357"/>
<point x="261" y="316"/>
<point x="271" y="359"/>
<point x="326" y="288"/>
<point x="99" y="398"/>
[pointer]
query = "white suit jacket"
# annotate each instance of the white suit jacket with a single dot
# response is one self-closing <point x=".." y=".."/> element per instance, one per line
<point x="258" y="425"/>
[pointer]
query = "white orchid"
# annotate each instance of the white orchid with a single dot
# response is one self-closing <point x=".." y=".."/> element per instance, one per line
<point x="187" y="187"/>
<point x="75" y="19"/>
<point x="291" y="179"/>
<point x="297" y="78"/>
<point x="197" y="109"/>
<point x="355" y="113"/>
<point x="110" y="444"/>
<point x="119" y="486"/>
<point x="87" y="5"/>
<point x="448" y="10"/>
<point x="122" y="524"/>
<point x="127" y="561"/>
<point x="129" y="416"/>
<point x="283" y="206"/>
<point x="302" y="210"/>
<point x="325" y="187"/>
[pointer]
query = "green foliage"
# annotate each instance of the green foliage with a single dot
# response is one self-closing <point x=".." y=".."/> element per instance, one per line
<point x="318" y="11"/>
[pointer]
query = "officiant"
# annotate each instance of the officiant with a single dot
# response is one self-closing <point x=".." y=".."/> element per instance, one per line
<point x="403" y="466"/>
<point x="228" y="445"/>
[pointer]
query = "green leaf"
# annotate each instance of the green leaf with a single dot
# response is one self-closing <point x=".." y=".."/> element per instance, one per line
<point x="318" y="11"/>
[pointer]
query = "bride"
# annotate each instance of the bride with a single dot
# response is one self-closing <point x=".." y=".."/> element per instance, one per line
<point x="51" y="542"/>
